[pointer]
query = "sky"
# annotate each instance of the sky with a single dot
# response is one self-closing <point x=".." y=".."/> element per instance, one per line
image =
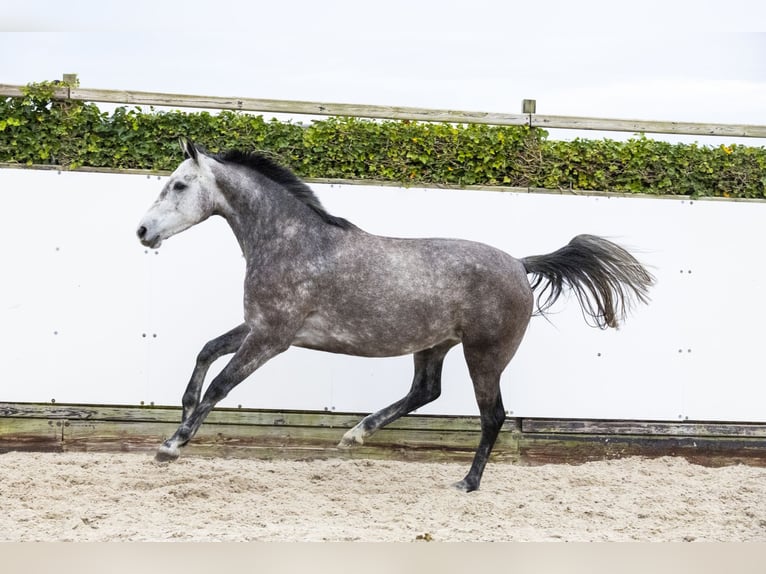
<point x="699" y="61"/>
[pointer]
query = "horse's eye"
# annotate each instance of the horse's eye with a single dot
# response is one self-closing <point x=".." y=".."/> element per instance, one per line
<point x="179" y="186"/>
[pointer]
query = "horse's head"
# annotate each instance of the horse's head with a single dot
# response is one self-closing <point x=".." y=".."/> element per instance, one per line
<point x="190" y="196"/>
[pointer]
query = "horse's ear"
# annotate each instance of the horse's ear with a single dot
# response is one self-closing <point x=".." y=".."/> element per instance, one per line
<point x="188" y="147"/>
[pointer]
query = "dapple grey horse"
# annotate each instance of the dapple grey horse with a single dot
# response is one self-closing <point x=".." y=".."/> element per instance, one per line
<point x="317" y="281"/>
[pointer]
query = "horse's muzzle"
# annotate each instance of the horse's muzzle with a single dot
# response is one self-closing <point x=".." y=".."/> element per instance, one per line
<point x="152" y="242"/>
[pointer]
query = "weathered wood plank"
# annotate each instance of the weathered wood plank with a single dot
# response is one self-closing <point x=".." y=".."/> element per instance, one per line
<point x="233" y="416"/>
<point x="397" y="112"/>
<point x="653" y="428"/>
<point x="271" y="441"/>
<point x="295" y="107"/>
<point x="300" y="434"/>
<point x="416" y="114"/>
<point x="647" y="126"/>
<point x="575" y="449"/>
<point x="16" y="91"/>
<point x="266" y="435"/>
<point x="277" y="435"/>
<point x="30" y="435"/>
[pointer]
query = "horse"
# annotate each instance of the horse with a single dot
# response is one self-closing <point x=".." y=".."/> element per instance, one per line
<point x="317" y="281"/>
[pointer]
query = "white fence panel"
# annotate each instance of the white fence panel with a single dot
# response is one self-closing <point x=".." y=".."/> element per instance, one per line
<point x="88" y="315"/>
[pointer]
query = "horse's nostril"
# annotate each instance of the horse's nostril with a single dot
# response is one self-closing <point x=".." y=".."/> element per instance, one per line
<point x="141" y="232"/>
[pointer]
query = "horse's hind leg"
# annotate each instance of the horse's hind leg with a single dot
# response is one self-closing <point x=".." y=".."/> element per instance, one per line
<point x="485" y="366"/>
<point x="426" y="387"/>
<point x="492" y="418"/>
<point x="214" y="349"/>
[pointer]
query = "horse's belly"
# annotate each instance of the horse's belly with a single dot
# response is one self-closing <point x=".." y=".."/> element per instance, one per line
<point x="370" y="339"/>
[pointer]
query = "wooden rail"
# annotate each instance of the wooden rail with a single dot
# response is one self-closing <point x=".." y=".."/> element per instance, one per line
<point x="396" y="113"/>
<point x="247" y="433"/>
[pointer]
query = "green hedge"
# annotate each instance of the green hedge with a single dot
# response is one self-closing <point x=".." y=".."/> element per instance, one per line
<point x="37" y="129"/>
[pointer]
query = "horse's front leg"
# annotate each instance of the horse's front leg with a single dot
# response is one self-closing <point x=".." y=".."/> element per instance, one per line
<point x="252" y="353"/>
<point x="214" y="349"/>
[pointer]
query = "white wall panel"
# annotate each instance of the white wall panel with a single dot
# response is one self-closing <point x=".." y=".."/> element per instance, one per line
<point x="89" y="315"/>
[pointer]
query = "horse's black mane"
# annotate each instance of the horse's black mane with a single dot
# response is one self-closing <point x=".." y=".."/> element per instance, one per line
<point x="284" y="177"/>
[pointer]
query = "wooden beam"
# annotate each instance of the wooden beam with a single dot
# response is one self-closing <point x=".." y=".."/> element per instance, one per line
<point x="646" y="126"/>
<point x="133" y="97"/>
<point x="241" y="432"/>
<point x="650" y="428"/>
<point x="13" y="91"/>
<point x="250" y="433"/>
<point x="296" y="107"/>
<point x="539" y="448"/>
<point x="242" y="417"/>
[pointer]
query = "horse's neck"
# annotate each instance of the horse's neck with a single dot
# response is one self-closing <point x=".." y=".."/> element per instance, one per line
<point x="262" y="221"/>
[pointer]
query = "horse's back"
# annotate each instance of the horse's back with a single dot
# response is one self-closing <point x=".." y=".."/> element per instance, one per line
<point x="389" y="296"/>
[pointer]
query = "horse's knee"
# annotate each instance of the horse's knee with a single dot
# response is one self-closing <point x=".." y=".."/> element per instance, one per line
<point x="189" y="399"/>
<point x="207" y="354"/>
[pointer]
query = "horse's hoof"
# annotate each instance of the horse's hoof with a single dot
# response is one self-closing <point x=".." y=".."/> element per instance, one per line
<point x="465" y="486"/>
<point x="350" y="439"/>
<point x="166" y="454"/>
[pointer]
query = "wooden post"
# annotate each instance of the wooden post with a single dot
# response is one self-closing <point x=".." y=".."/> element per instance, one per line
<point x="71" y="80"/>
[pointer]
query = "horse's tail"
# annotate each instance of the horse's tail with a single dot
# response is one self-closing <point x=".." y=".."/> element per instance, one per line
<point x="605" y="278"/>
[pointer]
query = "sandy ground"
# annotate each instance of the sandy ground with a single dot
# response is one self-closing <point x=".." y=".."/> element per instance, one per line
<point x="129" y="497"/>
